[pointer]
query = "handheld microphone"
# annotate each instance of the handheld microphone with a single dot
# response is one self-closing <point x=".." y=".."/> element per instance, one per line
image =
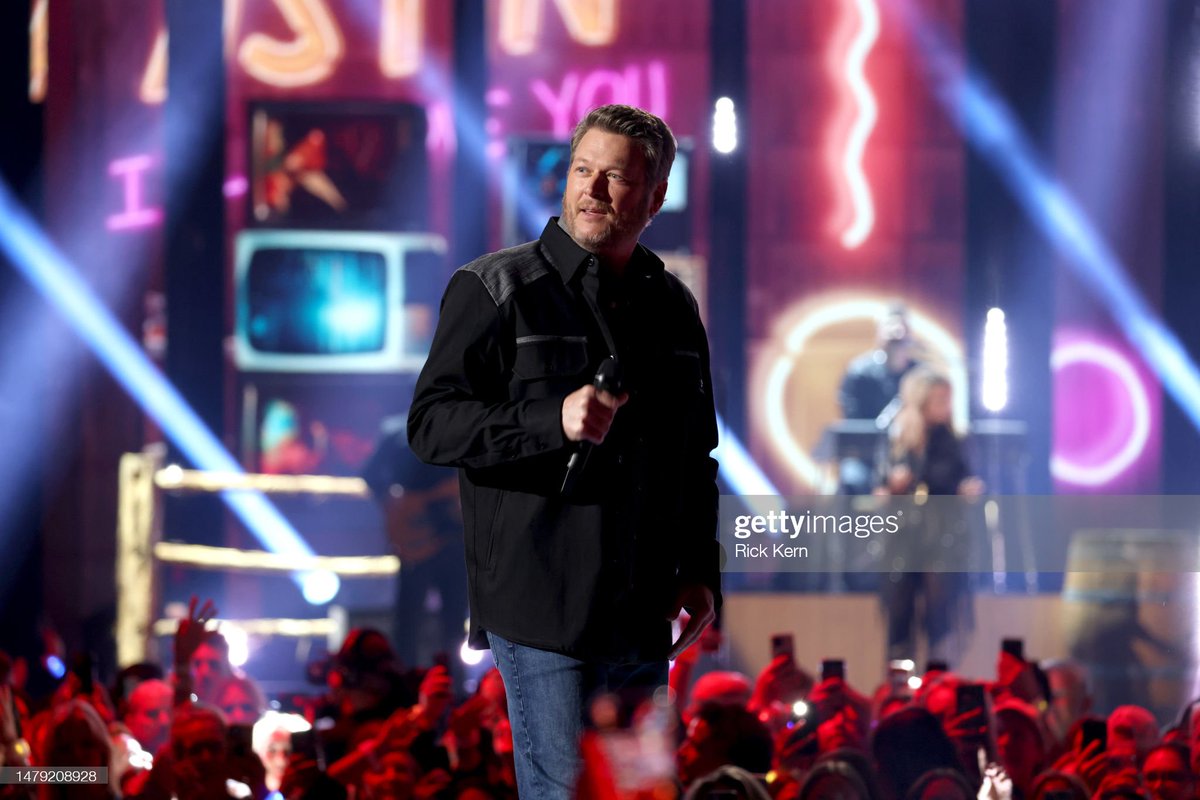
<point x="608" y="379"/>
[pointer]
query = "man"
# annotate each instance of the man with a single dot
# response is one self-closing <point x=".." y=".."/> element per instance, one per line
<point x="149" y="715"/>
<point x="424" y="523"/>
<point x="870" y="390"/>
<point x="573" y="578"/>
<point x="199" y="760"/>
<point x="872" y="381"/>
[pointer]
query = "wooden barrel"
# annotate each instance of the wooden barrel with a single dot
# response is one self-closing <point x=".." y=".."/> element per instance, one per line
<point x="1130" y="616"/>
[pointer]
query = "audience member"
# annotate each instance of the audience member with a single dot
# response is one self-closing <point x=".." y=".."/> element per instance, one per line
<point x="1061" y="785"/>
<point x="1019" y="744"/>
<point x="76" y="737"/>
<point x="199" y="762"/>
<point x="1069" y="701"/>
<point x="240" y="700"/>
<point x="1132" y="734"/>
<point x="720" y="735"/>
<point x="148" y="714"/>
<point x="727" y="780"/>
<point x="1167" y="773"/>
<point x="941" y="784"/>
<point x="908" y="744"/>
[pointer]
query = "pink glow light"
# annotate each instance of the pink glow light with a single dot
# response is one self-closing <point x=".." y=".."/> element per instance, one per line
<point x="864" y="123"/>
<point x="134" y="215"/>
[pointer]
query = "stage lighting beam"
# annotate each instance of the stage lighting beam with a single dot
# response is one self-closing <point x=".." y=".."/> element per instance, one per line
<point x="49" y="271"/>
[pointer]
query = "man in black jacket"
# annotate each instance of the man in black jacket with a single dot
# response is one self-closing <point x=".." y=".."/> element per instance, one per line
<point x="573" y="580"/>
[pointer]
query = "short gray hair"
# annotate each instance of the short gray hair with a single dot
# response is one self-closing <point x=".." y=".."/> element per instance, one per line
<point x="656" y="140"/>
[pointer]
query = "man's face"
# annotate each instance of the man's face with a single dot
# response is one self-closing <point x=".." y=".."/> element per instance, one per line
<point x="238" y="705"/>
<point x="700" y="752"/>
<point x="1167" y="776"/>
<point x="149" y="716"/>
<point x="200" y="740"/>
<point x="1068" y="701"/>
<point x="610" y="198"/>
<point x="208" y="669"/>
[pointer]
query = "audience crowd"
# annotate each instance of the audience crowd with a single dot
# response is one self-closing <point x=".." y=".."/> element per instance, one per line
<point x="204" y="730"/>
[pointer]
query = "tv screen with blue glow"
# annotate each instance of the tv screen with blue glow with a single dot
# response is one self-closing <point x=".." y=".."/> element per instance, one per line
<point x="314" y="301"/>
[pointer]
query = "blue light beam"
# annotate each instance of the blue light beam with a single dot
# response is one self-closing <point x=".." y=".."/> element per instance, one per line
<point x="49" y="271"/>
<point x="990" y="127"/>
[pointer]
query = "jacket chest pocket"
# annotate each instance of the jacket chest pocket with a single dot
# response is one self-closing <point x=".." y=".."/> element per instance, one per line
<point x="543" y="357"/>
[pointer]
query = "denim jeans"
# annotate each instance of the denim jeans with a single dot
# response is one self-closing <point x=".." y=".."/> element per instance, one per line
<point x="547" y="707"/>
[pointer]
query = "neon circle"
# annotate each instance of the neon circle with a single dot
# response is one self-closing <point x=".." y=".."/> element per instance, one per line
<point x="1109" y="359"/>
<point x="938" y="338"/>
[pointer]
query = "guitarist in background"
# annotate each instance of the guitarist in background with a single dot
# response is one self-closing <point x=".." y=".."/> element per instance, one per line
<point x="424" y="525"/>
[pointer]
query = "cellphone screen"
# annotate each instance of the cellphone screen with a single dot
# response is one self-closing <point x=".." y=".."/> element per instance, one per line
<point x="1094" y="730"/>
<point x="783" y="644"/>
<point x="833" y="668"/>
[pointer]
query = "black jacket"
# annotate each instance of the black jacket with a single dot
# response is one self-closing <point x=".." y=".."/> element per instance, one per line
<point x="591" y="575"/>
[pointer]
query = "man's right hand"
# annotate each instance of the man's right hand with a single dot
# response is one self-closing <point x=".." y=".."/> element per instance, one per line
<point x="191" y="631"/>
<point x="587" y="414"/>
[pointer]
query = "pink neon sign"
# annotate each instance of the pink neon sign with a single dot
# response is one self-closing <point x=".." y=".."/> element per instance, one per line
<point x="577" y="93"/>
<point x="135" y="215"/>
<point x="866" y="112"/>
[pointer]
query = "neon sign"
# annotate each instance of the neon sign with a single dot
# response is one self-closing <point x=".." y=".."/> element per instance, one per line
<point x="1129" y="419"/>
<point x="39" y="54"/>
<point x="135" y="215"/>
<point x="400" y="37"/>
<point x="577" y="93"/>
<point x="866" y="113"/>
<point x="589" y="22"/>
<point x="153" y="90"/>
<point x="825" y="313"/>
<point x="440" y="136"/>
<point x="307" y="59"/>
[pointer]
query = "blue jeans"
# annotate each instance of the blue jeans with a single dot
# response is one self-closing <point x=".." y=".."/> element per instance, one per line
<point x="547" y="707"/>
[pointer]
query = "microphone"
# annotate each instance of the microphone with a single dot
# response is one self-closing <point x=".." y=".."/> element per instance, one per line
<point x="608" y="379"/>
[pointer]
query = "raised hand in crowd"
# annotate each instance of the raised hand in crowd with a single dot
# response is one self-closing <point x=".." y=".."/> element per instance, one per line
<point x="1016" y="677"/>
<point x="781" y="683"/>
<point x="191" y="633"/>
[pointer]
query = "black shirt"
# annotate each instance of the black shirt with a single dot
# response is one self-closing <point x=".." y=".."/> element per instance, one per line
<point x="590" y="575"/>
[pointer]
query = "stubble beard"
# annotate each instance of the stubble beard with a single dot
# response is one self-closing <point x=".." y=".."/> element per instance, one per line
<point x="615" y="230"/>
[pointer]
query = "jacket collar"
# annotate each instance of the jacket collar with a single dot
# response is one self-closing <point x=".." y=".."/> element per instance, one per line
<point x="570" y="259"/>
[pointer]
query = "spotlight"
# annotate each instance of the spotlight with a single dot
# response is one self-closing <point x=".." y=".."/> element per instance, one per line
<point x="56" y="667"/>
<point x="995" y="361"/>
<point x="472" y="658"/>
<point x="57" y="279"/>
<point x="800" y="709"/>
<point x="319" y="587"/>
<point x="914" y="682"/>
<point x="239" y="644"/>
<point x="724" y="133"/>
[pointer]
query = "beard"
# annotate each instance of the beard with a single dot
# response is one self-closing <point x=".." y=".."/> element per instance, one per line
<point x="624" y="226"/>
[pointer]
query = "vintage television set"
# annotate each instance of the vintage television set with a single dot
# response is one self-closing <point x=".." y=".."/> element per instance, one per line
<point x="536" y="176"/>
<point x="338" y="165"/>
<point x="336" y="302"/>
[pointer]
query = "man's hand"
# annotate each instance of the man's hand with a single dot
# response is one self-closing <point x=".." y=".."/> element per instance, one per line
<point x="587" y="414"/>
<point x="435" y="694"/>
<point x="191" y="632"/>
<point x="698" y="600"/>
<point x="782" y="681"/>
